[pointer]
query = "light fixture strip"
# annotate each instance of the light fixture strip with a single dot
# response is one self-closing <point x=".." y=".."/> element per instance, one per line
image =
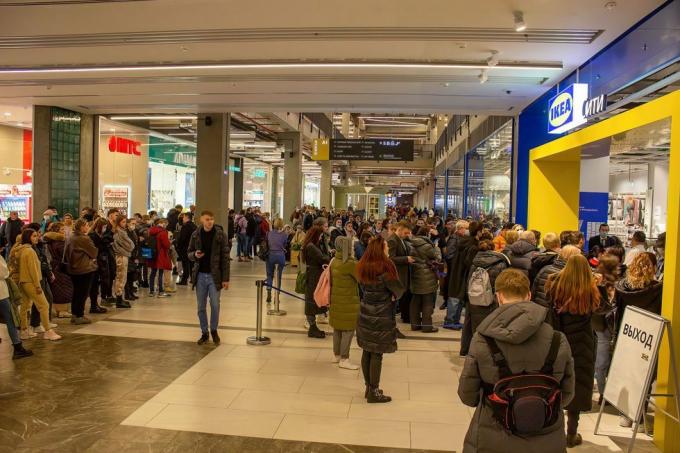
<point x="237" y="66"/>
<point x="151" y="117"/>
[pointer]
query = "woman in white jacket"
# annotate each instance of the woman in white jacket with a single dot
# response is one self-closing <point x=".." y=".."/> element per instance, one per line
<point x="6" y="312"/>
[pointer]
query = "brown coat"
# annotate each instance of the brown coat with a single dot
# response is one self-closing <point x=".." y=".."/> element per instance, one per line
<point x="82" y="254"/>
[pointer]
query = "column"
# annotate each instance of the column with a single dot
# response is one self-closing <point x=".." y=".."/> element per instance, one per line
<point x="238" y="185"/>
<point x="345" y="126"/>
<point x="273" y="207"/>
<point x="89" y="147"/>
<point x="325" y="188"/>
<point x="292" y="171"/>
<point x="42" y="118"/>
<point x="212" y="169"/>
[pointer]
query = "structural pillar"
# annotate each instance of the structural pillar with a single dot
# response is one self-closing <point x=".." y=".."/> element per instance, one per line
<point x="273" y="206"/>
<point x="292" y="171"/>
<point x="42" y="118"/>
<point x="212" y="165"/>
<point x="238" y="185"/>
<point x="89" y="147"/>
<point x="325" y="188"/>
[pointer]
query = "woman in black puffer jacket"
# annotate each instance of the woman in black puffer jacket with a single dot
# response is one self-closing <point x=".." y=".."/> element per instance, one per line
<point x="424" y="281"/>
<point x="494" y="263"/>
<point x="314" y="258"/>
<point x="574" y="295"/>
<point x="376" y="328"/>
<point x="538" y="290"/>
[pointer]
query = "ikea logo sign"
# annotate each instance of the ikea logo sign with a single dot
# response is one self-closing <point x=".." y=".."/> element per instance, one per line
<point x="565" y="110"/>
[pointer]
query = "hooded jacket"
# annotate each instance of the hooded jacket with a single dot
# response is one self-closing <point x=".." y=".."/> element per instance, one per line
<point x="122" y="244"/>
<point x="521" y="254"/>
<point x="494" y="263"/>
<point x="538" y="293"/>
<point x="540" y="261"/>
<point x="376" y="327"/>
<point x="82" y="254"/>
<point x="524" y="339"/>
<point x="24" y="265"/>
<point x="423" y="278"/>
<point x="162" y="260"/>
<point x="61" y="286"/>
<point x="460" y="267"/>
<point x="344" y="309"/>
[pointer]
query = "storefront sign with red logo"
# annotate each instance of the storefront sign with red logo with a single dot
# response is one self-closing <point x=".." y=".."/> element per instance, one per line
<point x="124" y="146"/>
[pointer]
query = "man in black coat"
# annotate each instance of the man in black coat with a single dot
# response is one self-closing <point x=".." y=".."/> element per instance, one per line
<point x="9" y="232"/>
<point x="552" y="248"/>
<point x="454" y="305"/>
<point x="400" y="255"/>
<point x="603" y="240"/>
<point x="182" y="246"/>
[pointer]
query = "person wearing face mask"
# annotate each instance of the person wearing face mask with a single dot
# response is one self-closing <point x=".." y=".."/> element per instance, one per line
<point x="337" y="230"/>
<point x="603" y="240"/>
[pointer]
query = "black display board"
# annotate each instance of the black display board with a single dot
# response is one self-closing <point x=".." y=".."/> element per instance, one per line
<point x="371" y="149"/>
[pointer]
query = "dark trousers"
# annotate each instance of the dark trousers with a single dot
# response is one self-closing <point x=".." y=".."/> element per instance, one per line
<point x="572" y="421"/>
<point x="130" y="283"/>
<point x="187" y="266"/>
<point x="35" y="314"/>
<point x="82" y="285"/>
<point x="112" y="276"/>
<point x="371" y="365"/>
<point x="421" y="309"/>
<point x="466" y="335"/>
<point x="144" y="277"/>
<point x="404" y="304"/>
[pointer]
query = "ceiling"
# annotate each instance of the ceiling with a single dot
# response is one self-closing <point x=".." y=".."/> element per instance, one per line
<point x="417" y="58"/>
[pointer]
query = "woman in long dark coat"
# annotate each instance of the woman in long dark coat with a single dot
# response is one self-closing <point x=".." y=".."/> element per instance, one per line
<point x="61" y="286"/>
<point x="574" y="296"/>
<point x="314" y="258"/>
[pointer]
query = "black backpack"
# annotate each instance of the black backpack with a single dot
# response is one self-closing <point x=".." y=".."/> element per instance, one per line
<point x="525" y="403"/>
<point x="149" y="249"/>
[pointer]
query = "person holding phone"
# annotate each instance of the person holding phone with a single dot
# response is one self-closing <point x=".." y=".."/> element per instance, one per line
<point x="209" y="250"/>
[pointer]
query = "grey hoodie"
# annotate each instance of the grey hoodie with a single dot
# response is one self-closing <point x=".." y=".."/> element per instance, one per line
<point x="524" y="339"/>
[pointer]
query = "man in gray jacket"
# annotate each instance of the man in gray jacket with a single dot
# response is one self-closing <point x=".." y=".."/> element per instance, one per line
<point x="524" y="340"/>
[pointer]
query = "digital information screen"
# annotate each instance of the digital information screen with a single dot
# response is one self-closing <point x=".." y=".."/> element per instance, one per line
<point x="371" y="149"/>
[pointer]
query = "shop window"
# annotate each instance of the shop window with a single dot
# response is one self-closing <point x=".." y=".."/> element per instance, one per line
<point x="65" y="160"/>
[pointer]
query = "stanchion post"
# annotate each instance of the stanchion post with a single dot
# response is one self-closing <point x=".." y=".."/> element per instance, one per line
<point x="259" y="339"/>
<point x="276" y="311"/>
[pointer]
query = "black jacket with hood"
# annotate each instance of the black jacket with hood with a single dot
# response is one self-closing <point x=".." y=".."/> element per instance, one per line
<point x="647" y="298"/>
<point x="494" y="263"/>
<point x="521" y="254"/>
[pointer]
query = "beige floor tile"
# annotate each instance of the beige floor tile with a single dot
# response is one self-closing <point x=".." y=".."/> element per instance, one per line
<point x="434" y="360"/>
<point x="445" y="393"/>
<point x="292" y="403"/>
<point x="253" y="381"/>
<point x="196" y="395"/>
<point x="114" y="329"/>
<point x="228" y="363"/>
<point x="190" y="376"/>
<point x="307" y="369"/>
<point x="438" y="436"/>
<point x="350" y="387"/>
<point x="409" y="411"/>
<point x="217" y="421"/>
<point x="417" y="375"/>
<point x="144" y="414"/>
<point x="344" y="431"/>
<point x="298" y="354"/>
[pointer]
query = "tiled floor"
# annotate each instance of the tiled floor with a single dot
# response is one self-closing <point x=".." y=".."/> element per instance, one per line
<point x="288" y="390"/>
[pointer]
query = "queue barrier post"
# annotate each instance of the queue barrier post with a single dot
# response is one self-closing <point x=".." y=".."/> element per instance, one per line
<point x="259" y="339"/>
<point x="276" y="311"/>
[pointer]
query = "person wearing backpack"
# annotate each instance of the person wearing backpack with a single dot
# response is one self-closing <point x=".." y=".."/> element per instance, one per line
<point x="160" y="241"/>
<point x="314" y="257"/>
<point x="486" y="266"/>
<point x="524" y="344"/>
<point x="344" y="306"/>
<point x="574" y="296"/>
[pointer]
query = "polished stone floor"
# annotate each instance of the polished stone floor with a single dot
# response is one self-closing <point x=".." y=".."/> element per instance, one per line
<point x="136" y="381"/>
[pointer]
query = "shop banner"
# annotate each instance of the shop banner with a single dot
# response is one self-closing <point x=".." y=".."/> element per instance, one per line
<point x="592" y="211"/>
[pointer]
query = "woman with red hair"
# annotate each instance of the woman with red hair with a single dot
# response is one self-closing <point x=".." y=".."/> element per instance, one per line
<point x="376" y="328"/>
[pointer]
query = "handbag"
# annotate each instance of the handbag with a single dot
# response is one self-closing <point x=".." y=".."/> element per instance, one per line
<point x="263" y="250"/>
<point x="301" y="282"/>
<point x="322" y="293"/>
<point x="15" y="293"/>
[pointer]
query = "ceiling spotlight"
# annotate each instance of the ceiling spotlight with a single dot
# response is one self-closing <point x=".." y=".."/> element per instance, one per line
<point x="493" y="59"/>
<point x="483" y="76"/>
<point x="610" y="5"/>
<point x="446" y="84"/>
<point x="8" y="114"/>
<point x="520" y="25"/>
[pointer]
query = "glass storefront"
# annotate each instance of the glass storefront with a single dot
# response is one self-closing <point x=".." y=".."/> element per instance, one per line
<point x="172" y="174"/>
<point x="16" y="177"/>
<point x="312" y="194"/>
<point x="256" y="185"/>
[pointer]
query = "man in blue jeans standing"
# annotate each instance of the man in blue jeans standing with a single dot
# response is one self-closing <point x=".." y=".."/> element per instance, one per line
<point x="209" y="249"/>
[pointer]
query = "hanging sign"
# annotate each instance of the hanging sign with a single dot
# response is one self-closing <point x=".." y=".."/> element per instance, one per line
<point x="371" y="149"/>
<point x="124" y="146"/>
<point x="571" y="108"/>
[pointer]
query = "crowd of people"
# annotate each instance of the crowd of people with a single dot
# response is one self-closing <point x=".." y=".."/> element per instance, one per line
<point x="533" y="298"/>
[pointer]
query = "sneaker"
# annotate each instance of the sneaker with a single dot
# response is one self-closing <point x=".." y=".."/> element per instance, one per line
<point x="431" y="330"/>
<point x="39" y="329"/>
<point x="625" y="422"/>
<point x="51" y="335"/>
<point x="457" y="326"/>
<point x="347" y="365"/>
<point x="80" y="321"/>
<point x="97" y="309"/>
<point x="337" y="359"/>
<point x="215" y="337"/>
<point x="162" y="295"/>
<point x="27" y="334"/>
<point x="204" y="339"/>
<point x="170" y="290"/>
<point x="314" y="332"/>
<point x="123" y="304"/>
<point x="152" y="294"/>
<point x="20" y="352"/>
<point x="574" y="440"/>
<point x="306" y="324"/>
<point x="63" y="314"/>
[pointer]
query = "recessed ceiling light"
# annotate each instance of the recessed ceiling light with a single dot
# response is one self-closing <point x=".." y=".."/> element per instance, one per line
<point x="520" y="25"/>
<point x="8" y="114"/>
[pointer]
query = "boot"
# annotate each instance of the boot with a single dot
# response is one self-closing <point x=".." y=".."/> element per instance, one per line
<point x="97" y="309"/>
<point x="20" y="352"/>
<point x="368" y="390"/>
<point x="314" y="332"/>
<point x="215" y="337"/>
<point x="573" y="440"/>
<point x="121" y="303"/>
<point x="269" y="296"/>
<point x="204" y="339"/>
<point x="375" y="395"/>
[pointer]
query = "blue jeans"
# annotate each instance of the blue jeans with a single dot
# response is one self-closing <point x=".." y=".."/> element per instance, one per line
<point x="205" y="288"/>
<point x="249" y="246"/>
<point x="603" y="358"/>
<point x="242" y="245"/>
<point x="454" y="308"/>
<point x="6" y="311"/>
<point x="275" y="259"/>
<point x="152" y="280"/>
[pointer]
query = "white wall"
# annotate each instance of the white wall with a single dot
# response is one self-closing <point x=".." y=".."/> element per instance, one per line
<point x="636" y="182"/>
<point x="11" y="154"/>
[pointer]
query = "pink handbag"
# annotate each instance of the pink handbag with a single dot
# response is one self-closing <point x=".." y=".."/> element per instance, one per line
<point x="322" y="293"/>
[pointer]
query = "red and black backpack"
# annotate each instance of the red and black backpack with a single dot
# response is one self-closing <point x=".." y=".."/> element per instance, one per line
<point x="524" y="403"/>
